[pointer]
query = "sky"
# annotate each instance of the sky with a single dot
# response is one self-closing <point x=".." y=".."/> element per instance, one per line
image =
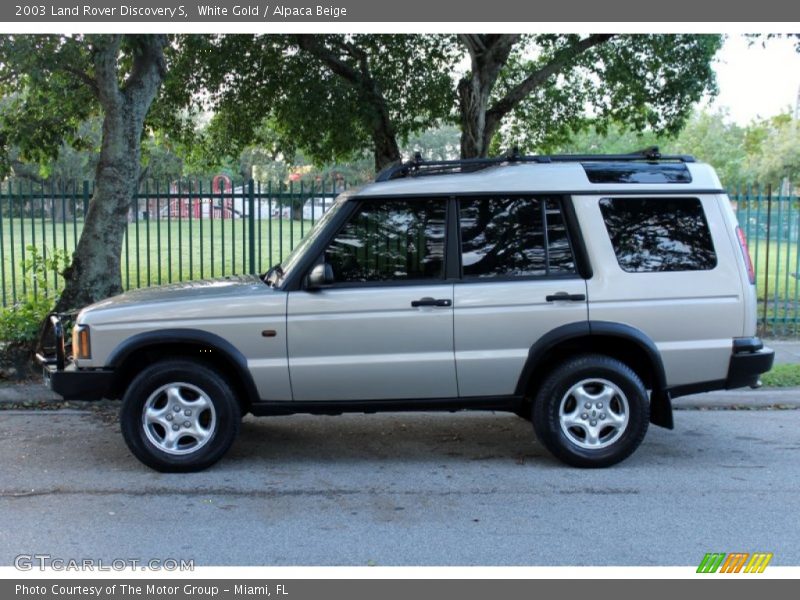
<point x="756" y="81"/>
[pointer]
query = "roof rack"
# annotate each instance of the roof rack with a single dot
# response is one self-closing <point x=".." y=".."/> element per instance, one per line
<point x="419" y="166"/>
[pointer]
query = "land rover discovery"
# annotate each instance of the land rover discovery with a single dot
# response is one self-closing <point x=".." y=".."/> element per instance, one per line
<point x="581" y="292"/>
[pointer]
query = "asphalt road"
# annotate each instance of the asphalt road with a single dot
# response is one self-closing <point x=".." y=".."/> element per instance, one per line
<point x="403" y="489"/>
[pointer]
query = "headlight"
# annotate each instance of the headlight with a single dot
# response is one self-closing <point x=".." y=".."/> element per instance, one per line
<point x="81" y="346"/>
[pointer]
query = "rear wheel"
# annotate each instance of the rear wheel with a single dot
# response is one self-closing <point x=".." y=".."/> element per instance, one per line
<point x="179" y="415"/>
<point x="591" y="411"/>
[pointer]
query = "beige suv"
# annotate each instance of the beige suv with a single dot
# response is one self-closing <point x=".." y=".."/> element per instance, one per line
<point x="580" y="292"/>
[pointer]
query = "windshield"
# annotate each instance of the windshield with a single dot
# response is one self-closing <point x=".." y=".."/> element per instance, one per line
<point x="290" y="262"/>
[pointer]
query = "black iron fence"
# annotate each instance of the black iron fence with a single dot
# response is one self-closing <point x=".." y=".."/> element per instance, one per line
<point x="188" y="230"/>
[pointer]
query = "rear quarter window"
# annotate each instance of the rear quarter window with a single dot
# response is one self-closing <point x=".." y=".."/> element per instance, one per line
<point x="652" y="235"/>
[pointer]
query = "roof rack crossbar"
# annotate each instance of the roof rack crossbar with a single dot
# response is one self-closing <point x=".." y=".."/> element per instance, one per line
<point x="419" y="166"/>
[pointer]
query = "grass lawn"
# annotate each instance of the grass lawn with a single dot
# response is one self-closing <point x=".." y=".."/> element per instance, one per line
<point x="158" y="252"/>
<point x="162" y="251"/>
<point x="782" y="376"/>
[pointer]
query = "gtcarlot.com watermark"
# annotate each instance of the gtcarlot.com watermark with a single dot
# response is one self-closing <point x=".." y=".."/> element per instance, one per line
<point x="42" y="562"/>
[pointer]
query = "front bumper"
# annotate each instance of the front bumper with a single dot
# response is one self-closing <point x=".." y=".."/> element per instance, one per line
<point x="72" y="383"/>
<point x="64" y="377"/>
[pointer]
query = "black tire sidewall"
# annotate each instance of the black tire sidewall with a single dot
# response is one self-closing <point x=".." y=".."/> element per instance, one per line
<point x="546" y="408"/>
<point x="228" y="415"/>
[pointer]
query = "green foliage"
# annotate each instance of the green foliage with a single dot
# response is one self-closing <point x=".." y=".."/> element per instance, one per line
<point x="774" y="149"/>
<point x="439" y="143"/>
<point x="764" y="151"/>
<point x="787" y="375"/>
<point x="20" y="323"/>
<point x="266" y="91"/>
<point x="647" y="82"/>
<point x="44" y="104"/>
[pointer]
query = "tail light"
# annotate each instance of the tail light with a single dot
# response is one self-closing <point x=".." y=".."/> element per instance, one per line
<point x="751" y="273"/>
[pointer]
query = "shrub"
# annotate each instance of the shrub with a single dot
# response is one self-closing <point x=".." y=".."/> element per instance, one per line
<point x="20" y="323"/>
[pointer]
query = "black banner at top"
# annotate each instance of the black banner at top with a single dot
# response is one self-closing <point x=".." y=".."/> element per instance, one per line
<point x="465" y="11"/>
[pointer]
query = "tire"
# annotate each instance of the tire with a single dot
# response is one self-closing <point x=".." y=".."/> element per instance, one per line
<point x="182" y="394"/>
<point x="617" y="400"/>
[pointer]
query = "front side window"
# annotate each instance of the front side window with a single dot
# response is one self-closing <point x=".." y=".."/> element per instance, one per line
<point x="659" y="234"/>
<point x="514" y="237"/>
<point x="390" y="240"/>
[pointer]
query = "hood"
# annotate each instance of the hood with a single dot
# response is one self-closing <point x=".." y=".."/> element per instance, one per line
<point x="227" y="296"/>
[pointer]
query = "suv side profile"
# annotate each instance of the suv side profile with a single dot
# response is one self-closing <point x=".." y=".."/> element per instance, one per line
<point x="581" y="292"/>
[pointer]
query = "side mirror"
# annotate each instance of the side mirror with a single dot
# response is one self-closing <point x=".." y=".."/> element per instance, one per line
<point x="321" y="276"/>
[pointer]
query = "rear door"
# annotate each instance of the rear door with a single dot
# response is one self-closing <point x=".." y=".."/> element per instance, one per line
<point x="519" y="281"/>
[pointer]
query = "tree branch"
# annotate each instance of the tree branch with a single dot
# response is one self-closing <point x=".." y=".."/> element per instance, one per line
<point x="25" y="171"/>
<point x="150" y="52"/>
<point x="83" y="77"/>
<point x="559" y="60"/>
<point x="311" y="44"/>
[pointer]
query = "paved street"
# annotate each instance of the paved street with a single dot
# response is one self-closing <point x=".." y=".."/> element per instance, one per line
<point x="403" y="489"/>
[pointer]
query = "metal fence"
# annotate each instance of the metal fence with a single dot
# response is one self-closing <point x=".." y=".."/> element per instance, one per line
<point x="188" y="230"/>
<point x="771" y="222"/>
<point x="176" y="231"/>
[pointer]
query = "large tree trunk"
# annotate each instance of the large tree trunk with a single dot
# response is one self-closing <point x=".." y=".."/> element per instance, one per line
<point x="384" y="138"/>
<point x="488" y="54"/>
<point x="94" y="273"/>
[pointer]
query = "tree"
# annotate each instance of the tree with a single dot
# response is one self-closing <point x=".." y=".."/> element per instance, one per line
<point x="773" y="147"/>
<point x="331" y="96"/>
<point x="335" y="97"/>
<point x="535" y="91"/>
<point x="439" y="143"/>
<point x="56" y="83"/>
<point x="489" y="56"/>
<point x="708" y="136"/>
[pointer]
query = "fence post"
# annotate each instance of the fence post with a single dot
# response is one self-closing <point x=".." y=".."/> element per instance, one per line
<point x="85" y="201"/>
<point x="251" y="225"/>
<point x="766" y="266"/>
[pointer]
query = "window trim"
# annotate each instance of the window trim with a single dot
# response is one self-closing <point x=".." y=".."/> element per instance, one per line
<point x="566" y="215"/>
<point x="660" y="199"/>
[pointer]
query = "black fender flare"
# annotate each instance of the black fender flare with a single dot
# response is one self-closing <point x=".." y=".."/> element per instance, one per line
<point x="226" y="350"/>
<point x="660" y="404"/>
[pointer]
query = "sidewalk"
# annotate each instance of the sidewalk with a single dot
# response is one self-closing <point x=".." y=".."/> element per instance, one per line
<point x="786" y="352"/>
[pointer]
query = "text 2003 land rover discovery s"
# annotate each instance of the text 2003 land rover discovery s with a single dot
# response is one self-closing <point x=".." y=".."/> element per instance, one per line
<point x="581" y="292"/>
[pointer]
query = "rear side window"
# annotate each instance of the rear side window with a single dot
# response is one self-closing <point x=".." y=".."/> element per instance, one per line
<point x="514" y="237"/>
<point x="659" y="234"/>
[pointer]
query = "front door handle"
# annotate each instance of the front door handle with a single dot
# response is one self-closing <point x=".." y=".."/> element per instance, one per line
<point x="564" y="296"/>
<point x="428" y="301"/>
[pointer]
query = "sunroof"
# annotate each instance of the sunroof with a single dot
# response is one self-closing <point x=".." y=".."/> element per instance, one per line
<point x="637" y="172"/>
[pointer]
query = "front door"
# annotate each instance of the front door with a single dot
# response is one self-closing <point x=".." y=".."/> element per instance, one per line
<point x="384" y="328"/>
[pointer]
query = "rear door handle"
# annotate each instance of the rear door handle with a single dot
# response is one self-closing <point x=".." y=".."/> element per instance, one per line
<point x="564" y="296"/>
<point x="428" y="301"/>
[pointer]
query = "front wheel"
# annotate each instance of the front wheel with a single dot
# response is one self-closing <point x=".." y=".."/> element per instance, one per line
<point x="591" y="411"/>
<point x="179" y="416"/>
